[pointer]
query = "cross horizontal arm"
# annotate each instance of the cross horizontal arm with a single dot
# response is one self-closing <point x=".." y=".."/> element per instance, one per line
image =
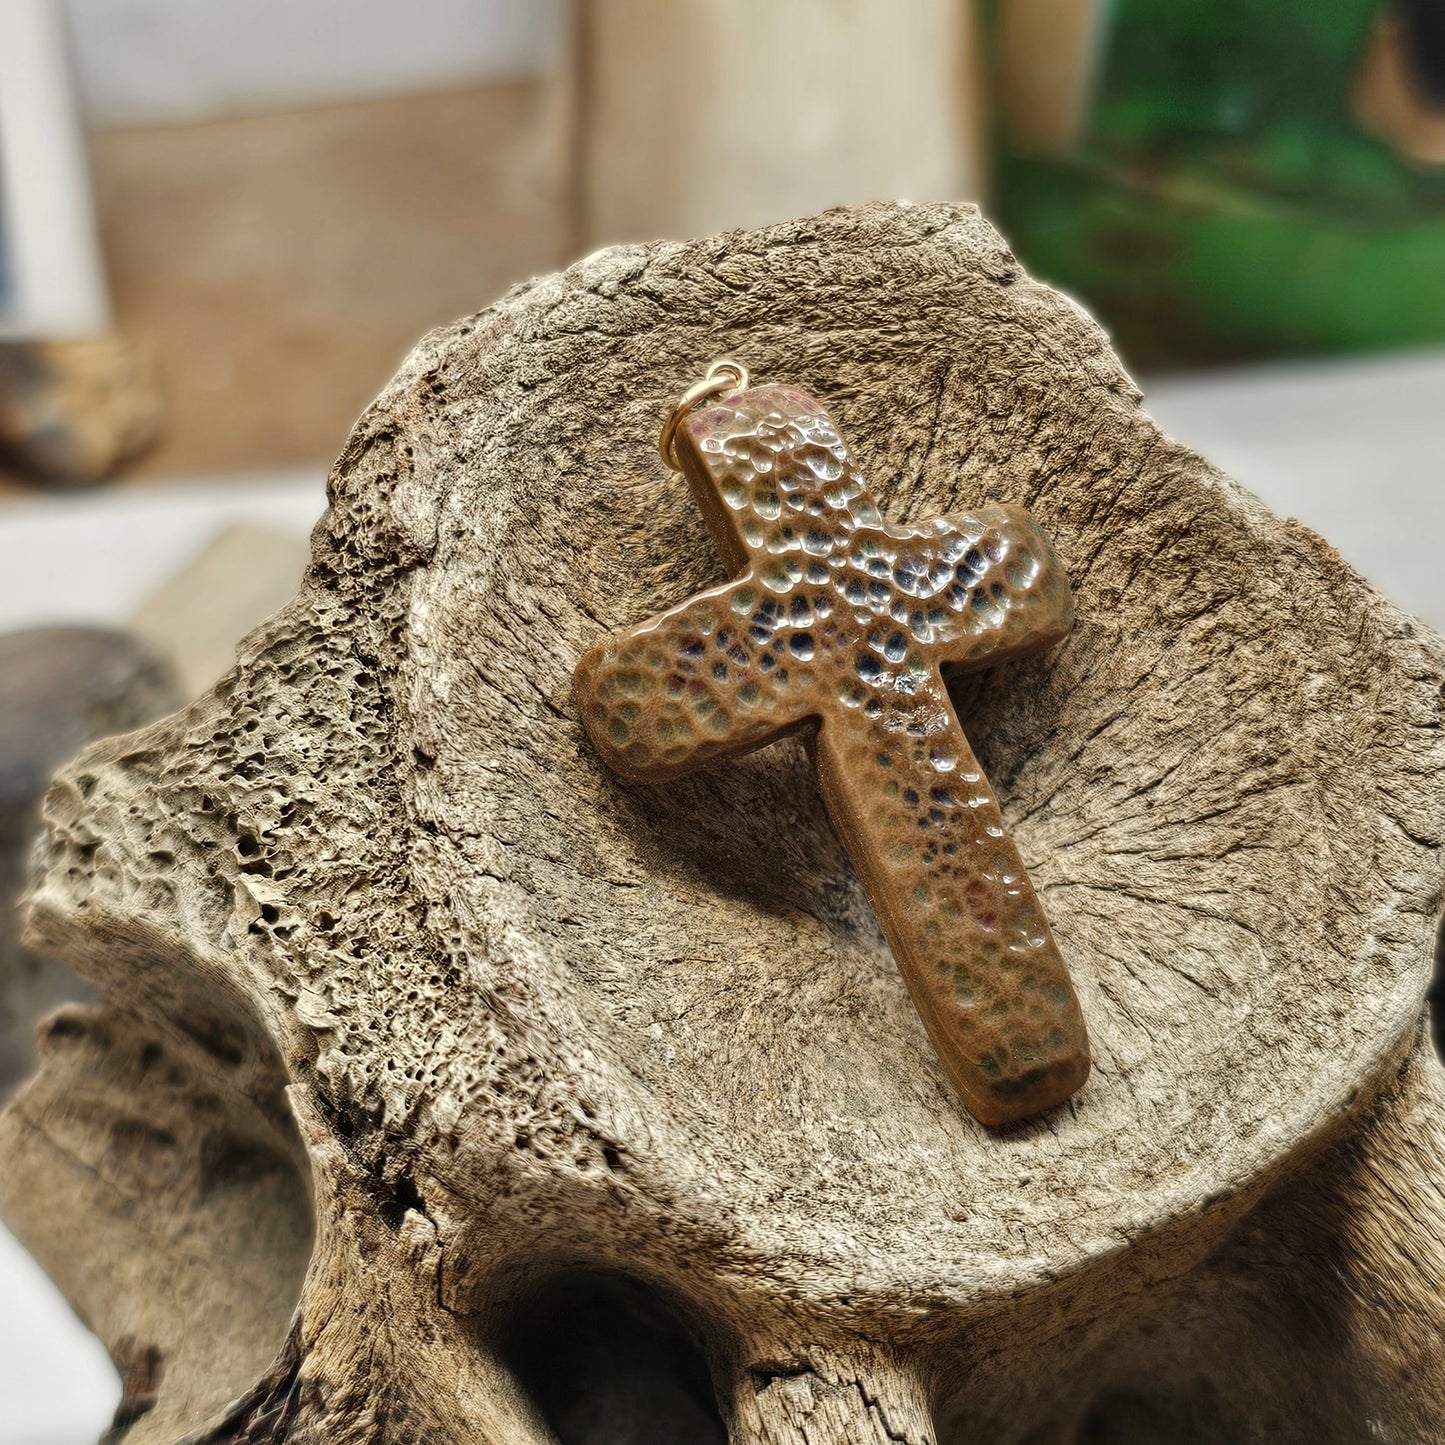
<point x="1007" y="593"/>
<point x="711" y="677"/>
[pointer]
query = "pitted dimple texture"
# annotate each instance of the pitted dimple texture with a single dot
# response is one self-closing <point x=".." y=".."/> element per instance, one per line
<point x="841" y="622"/>
<point x="837" y="608"/>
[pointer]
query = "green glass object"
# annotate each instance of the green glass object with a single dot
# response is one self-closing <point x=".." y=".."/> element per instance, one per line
<point x="1224" y="201"/>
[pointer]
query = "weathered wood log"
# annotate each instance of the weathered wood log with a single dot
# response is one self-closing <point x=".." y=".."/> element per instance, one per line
<point x="567" y="1065"/>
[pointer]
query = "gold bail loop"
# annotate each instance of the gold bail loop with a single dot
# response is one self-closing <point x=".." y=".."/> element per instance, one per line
<point x="723" y="375"/>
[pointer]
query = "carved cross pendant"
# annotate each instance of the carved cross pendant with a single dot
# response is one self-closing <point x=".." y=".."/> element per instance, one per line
<point x="837" y="624"/>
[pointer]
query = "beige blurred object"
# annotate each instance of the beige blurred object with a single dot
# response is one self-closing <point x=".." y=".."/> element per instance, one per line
<point x="698" y="115"/>
<point x="73" y="410"/>
<point x="59" y="688"/>
<point x="269" y="348"/>
<point x="1048" y="59"/>
<point x="1391" y="103"/>
<point x="234" y="584"/>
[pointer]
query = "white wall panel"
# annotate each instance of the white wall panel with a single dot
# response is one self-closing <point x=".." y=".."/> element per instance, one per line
<point x="157" y="61"/>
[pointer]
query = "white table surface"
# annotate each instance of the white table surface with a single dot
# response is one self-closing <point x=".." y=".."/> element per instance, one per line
<point x="1354" y="450"/>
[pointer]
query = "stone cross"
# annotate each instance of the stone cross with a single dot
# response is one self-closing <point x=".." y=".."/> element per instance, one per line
<point x="837" y="624"/>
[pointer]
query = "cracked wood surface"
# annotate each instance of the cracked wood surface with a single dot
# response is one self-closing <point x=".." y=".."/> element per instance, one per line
<point x="530" y="1020"/>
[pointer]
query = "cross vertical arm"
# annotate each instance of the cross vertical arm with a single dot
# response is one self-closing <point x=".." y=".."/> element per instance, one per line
<point x="773" y="479"/>
<point x="966" y="928"/>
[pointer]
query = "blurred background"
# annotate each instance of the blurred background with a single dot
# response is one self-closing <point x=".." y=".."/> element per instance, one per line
<point x="222" y="226"/>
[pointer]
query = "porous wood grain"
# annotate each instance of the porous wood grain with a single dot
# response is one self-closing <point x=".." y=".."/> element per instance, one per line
<point x="532" y="1020"/>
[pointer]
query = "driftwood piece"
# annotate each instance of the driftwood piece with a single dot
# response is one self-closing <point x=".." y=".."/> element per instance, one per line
<point x="565" y="1063"/>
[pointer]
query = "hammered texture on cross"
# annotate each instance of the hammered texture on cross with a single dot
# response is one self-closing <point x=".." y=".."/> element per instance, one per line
<point x="838" y="623"/>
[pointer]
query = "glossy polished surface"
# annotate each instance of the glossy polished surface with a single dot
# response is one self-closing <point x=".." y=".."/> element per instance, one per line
<point x="838" y="622"/>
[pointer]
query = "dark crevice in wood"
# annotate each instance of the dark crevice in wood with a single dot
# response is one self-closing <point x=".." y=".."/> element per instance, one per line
<point x="1436" y="995"/>
<point x="607" y="1363"/>
<point x="1137" y="1417"/>
<point x="140" y="1369"/>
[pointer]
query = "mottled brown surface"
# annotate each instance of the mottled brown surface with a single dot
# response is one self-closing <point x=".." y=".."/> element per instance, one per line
<point x="838" y="625"/>
<point x="529" y="1019"/>
<point x="73" y="411"/>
